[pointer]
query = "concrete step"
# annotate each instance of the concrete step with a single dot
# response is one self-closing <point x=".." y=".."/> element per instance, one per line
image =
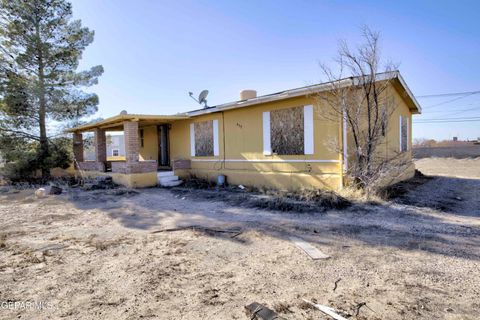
<point x="172" y="183"/>
<point x="167" y="179"/>
<point x="165" y="173"/>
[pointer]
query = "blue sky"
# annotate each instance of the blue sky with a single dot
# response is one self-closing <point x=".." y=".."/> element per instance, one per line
<point x="155" y="52"/>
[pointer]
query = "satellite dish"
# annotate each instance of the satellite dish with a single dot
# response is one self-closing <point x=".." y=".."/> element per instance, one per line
<point x="202" y="97"/>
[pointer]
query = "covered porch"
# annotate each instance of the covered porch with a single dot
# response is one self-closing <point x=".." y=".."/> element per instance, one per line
<point x="147" y="148"/>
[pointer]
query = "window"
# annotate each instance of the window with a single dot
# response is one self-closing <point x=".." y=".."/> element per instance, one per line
<point x="204" y="138"/>
<point x="404" y="133"/>
<point x="141" y="138"/>
<point x="115" y="152"/>
<point x="288" y="131"/>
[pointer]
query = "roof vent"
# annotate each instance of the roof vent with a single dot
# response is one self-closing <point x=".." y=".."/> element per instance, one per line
<point x="248" y="94"/>
<point x="124" y="112"/>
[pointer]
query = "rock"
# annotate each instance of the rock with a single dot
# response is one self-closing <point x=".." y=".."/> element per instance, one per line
<point x="40" y="193"/>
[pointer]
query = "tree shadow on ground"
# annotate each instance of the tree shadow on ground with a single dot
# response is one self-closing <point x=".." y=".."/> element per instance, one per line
<point x="415" y="222"/>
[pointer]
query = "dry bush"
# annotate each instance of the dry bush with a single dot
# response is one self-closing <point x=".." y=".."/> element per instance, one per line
<point x="305" y="305"/>
<point x="100" y="244"/>
<point x="195" y="182"/>
<point x="287" y="132"/>
<point x="282" y="307"/>
<point x="204" y="138"/>
<point x="30" y="257"/>
<point x="365" y="103"/>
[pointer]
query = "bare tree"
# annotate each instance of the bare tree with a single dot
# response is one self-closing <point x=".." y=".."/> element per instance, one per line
<point x="364" y="104"/>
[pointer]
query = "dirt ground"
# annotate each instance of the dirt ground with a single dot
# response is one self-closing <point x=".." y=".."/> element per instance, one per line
<point x="96" y="255"/>
<point x="458" y="152"/>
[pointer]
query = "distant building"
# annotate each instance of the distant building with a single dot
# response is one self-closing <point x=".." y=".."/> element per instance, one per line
<point x="455" y="138"/>
<point x="115" y="146"/>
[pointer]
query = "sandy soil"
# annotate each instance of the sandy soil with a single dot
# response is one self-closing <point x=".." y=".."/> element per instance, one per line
<point x="461" y="168"/>
<point x="458" y="152"/>
<point x="94" y="255"/>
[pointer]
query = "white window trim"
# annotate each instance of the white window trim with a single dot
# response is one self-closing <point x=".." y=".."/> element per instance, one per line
<point x="192" y="139"/>
<point x="308" y="136"/>
<point x="118" y="152"/>
<point x="267" y="145"/>
<point x="216" y="146"/>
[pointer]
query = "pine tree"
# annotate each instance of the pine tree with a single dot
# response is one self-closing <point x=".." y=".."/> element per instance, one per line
<point x="40" y="49"/>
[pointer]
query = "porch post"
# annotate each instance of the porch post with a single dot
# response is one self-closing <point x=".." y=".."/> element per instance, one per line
<point x="100" y="143"/>
<point x="77" y="148"/>
<point x="130" y="131"/>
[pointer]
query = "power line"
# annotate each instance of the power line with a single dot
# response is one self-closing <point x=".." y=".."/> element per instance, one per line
<point x="451" y="100"/>
<point x="447" y="94"/>
<point x="446" y="121"/>
<point x="454" y="108"/>
<point x="459" y="118"/>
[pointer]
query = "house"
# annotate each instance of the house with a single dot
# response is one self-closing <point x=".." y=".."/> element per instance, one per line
<point x="115" y="147"/>
<point x="245" y="141"/>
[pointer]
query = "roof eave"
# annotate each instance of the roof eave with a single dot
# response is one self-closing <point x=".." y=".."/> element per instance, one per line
<point x="118" y="119"/>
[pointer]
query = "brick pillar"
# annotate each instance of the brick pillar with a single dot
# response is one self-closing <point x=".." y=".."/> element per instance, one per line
<point x="100" y="143"/>
<point x="77" y="147"/>
<point x="132" y="145"/>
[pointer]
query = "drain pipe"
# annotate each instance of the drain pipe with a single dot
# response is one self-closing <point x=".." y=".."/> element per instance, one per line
<point x="345" y="147"/>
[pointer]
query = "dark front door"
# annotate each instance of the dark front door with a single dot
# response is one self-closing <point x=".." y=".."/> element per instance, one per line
<point x="163" y="150"/>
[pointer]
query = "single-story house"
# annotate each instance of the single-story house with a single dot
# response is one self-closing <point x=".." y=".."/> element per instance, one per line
<point x="279" y="140"/>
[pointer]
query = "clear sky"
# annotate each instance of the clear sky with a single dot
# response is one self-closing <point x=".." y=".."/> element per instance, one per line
<point x="155" y="52"/>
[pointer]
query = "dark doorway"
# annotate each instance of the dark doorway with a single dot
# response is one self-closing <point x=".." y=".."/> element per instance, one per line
<point x="163" y="147"/>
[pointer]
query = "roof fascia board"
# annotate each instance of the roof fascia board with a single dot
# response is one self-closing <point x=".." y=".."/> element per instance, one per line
<point x="410" y="94"/>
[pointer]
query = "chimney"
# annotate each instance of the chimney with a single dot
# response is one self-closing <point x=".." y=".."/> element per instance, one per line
<point x="248" y="94"/>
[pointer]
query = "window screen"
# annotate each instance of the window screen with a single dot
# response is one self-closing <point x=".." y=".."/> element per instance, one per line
<point x="404" y="133"/>
<point x="287" y="131"/>
<point x="203" y="138"/>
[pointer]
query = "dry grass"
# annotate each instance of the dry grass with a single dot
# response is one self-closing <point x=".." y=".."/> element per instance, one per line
<point x="204" y="138"/>
<point x="403" y="187"/>
<point x="102" y="245"/>
<point x="286" y="131"/>
<point x="3" y="239"/>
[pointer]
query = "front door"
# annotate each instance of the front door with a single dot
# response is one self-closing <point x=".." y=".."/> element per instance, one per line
<point x="163" y="150"/>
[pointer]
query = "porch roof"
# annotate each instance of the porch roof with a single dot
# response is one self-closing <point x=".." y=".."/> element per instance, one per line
<point x="116" y="123"/>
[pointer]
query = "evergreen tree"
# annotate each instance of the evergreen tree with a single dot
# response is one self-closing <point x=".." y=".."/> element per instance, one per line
<point x="40" y="49"/>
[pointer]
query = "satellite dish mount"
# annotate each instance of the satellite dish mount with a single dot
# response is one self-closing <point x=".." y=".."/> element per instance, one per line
<point x="202" y="98"/>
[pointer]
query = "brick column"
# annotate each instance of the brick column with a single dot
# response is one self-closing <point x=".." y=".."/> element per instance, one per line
<point x="78" y="147"/>
<point x="100" y="143"/>
<point x="132" y="145"/>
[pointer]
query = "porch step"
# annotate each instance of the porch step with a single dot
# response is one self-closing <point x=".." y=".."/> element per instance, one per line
<point x="168" y="179"/>
<point x="164" y="173"/>
<point x="171" y="183"/>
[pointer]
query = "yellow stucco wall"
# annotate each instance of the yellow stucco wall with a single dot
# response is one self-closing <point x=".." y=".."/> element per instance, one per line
<point x="241" y="145"/>
<point x="149" y="151"/>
